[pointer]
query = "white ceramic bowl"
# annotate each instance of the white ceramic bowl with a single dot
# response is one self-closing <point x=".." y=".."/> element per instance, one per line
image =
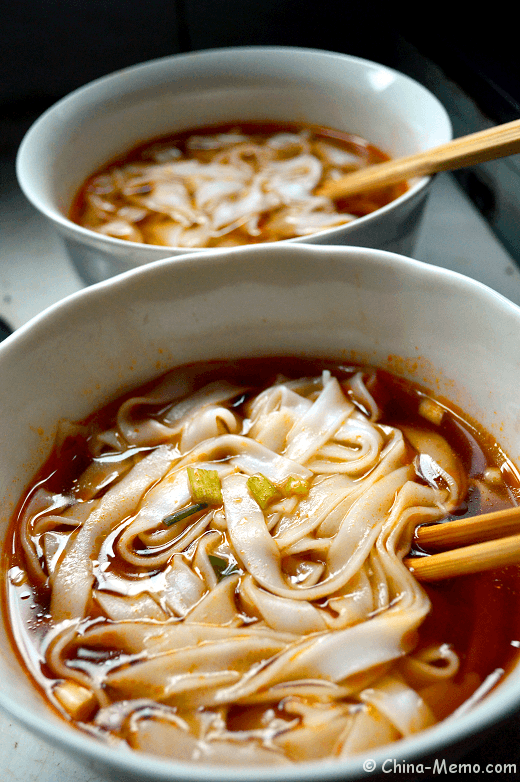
<point x="111" y="115"/>
<point x="428" y="324"/>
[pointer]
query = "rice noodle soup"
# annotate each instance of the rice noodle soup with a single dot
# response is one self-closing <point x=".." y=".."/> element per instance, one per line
<point x="210" y="567"/>
<point x="240" y="183"/>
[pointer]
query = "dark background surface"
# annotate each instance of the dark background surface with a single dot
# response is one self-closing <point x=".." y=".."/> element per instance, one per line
<point x="50" y="47"/>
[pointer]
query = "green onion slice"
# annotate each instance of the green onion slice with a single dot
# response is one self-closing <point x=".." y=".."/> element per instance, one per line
<point x="183" y="513"/>
<point x="222" y="567"/>
<point x="295" y="486"/>
<point x="205" y="485"/>
<point x="263" y="490"/>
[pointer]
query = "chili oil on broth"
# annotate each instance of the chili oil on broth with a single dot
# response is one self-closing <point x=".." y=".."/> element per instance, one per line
<point x="148" y="627"/>
<point x="228" y="185"/>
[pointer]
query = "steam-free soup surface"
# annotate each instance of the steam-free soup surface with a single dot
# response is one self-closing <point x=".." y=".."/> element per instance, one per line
<point x="229" y="185"/>
<point x="210" y="568"/>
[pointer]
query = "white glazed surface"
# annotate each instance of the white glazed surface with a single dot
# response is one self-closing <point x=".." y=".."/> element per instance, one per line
<point x="103" y="119"/>
<point x="438" y="328"/>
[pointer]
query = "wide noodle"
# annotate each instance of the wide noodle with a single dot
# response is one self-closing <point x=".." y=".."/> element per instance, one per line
<point x="240" y="633"/>
<point x="232" y="187"/>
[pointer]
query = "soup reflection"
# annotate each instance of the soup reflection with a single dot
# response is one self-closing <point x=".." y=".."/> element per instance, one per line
<point x="210" y="569"/>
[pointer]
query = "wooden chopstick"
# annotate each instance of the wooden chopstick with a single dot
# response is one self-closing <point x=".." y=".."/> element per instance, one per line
<point x="480" y="147"/>
<point x="460" y="532"/>
<point x="497" y="546"/>
<point x="469" y="559"/>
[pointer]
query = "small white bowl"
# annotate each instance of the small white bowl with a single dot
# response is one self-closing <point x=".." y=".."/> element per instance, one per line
<point x="431" y="325"/>
<point x="111" y="115"/>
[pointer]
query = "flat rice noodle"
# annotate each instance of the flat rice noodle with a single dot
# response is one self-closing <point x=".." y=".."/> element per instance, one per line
<point x="355" y="538"/>
<point x="255" y="638"/>
<point x="119" y="607"/>
<point x="209" y="193"/>
<point x="120" y="229"/>
<point x="293" y="180"/>
<point x="163" y="737"/>
<point x="218" y="606"/>
<point x="369" y="729"/>
<point x="172" y="493"/>
<point x="35" y="516"/>
<point x="434" y="664"/>
<point x="238" y="753"/>
<point x="169" y="495"/>
<point x="287" y="141"/>
<point x="400" y="704"/>
<point x="338" y="655"/>
<point x="187" y="690"/>
<point x="271" y="430"/>
<point x="99" y="474"/>
<point x="212" y="393"/>
<point x="365" y="441"/>
<point x="319" y="731"/>
<point x="163" y="674"/>
<point x="252" y="542"/>
<point x="359" y="529"/>
<point x="134" y="637"/>
<point x="393" y="456"/>
<point x="336" y="156"/>
<point x="53" y="544"/>
<point x="434" y="445"/>
<point x="324" y="499"/>
<point x="414" y="505"/>
<point x="363" y="397"/>
<point x="309" y="222"/>
<point x="331" y="497"/>
<point x="183" y="588"/>
<point x="167" y="233"/>
<point x="210" y="422"/>
<point x="252" y="201"/>
<point x="355" y="604"/>
<point x="74" y="578"/>
<point x="280" y="613"/>
<point x="200" y="173"/>
<point x="169" y="198"/>
<point x="201" y="563"/>
<point x="305" y="689"/>
<point x="249" y="456"/>
<point x="275" y="399"/>
<point x="378" y="578"/>
<point x="319" y="423"/>
<point x="310" y="545"/>
<point x="147" y="431"/>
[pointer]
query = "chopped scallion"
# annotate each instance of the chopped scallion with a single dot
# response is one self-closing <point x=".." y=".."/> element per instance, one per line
<point x="205" y="485"/>
<point x="296" y="486"/>
<point x="183" y="513"/>
<point x="263" y="490"/>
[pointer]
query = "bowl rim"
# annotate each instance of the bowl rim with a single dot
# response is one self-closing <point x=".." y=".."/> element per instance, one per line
<point x="213" y="256"/>
<point x="494" y="707"/>
<point x="89" y="90"/>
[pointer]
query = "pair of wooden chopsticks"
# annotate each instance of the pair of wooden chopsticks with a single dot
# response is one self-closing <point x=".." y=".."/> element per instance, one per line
<point x="480" y="147"/>
<point x="498" y="545"/>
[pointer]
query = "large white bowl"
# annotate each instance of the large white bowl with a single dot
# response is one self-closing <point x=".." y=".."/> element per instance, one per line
<point x="111" y="115"/>
<point x="431" y="325"/>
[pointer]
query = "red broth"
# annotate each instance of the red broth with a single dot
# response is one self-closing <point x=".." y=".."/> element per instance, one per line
<point x="234" y="184"/>
<point x="476" y="617"/>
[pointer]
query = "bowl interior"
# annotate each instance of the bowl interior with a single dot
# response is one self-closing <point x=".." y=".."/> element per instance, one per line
<point x="434" y="326"/>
